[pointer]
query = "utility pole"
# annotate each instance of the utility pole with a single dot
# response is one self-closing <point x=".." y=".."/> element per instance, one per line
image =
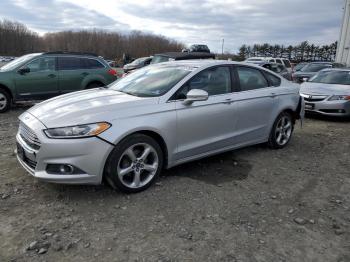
<point x="222" y="47"/>
<point x="343" y="50"/>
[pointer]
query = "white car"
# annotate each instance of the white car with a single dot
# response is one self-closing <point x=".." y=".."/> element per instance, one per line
<point x="281" y="61"/>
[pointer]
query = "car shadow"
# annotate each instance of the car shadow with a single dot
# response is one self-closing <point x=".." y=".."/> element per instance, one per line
<point x="327" y="118"/>
<point x="215" y="170"/>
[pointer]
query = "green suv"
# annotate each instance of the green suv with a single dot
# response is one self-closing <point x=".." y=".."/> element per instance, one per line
<point x="43" y="75"/>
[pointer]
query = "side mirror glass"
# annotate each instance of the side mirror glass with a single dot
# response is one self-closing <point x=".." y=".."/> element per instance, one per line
<point x="196" y="95"/>
<point x="24" y="70"/>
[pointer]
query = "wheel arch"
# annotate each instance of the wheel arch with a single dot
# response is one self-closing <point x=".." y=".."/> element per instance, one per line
<point x="4" y="87"/>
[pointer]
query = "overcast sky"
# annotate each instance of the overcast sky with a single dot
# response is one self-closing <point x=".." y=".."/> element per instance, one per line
<point x="189" y="21"/>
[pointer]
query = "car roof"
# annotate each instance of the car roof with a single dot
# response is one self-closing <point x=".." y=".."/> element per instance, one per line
<point x="336" y="69"/>
<point x="181" y="55"/>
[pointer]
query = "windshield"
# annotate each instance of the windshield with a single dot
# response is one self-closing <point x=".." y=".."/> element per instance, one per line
<point x="151" y="81"/>
<point x="159" y="59"/>
<point x="332" y="77"/>
<point x="298" y="67"/>
<point x="17" y="62"/>
<point x="314" y="67"/>
<point x="139" y="61"/>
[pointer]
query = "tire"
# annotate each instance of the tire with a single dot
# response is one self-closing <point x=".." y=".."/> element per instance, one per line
<point x="128" y="170"/>
<point x="281" y="131"/>
<point x="94" y="85"/>
<point x="5" y="101"/>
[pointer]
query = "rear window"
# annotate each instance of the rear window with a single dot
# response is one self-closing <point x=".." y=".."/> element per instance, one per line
<point x="279" y="61"/>
<point x="69" y="63"/>
<point x="287" y="63"/>
<point x="159" y="59"/>
<point x="91" y="63"/>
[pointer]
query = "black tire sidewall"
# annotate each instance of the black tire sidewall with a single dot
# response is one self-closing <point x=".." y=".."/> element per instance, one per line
<point x="8" y="98"/>
<point x="93" y="85"/>
<point x="272" y="138"/>
<point x="114" y="157"/>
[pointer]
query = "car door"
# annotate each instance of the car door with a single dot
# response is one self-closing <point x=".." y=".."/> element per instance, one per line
<point x="71" y="73"/>
<point x="206" y="126"/>
<point x="256" y="103"/>
<point x="40" y="81"/>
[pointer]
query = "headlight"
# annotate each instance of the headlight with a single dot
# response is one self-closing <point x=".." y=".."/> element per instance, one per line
<point x="339" y="97"/>
<point x="79" y="131"/>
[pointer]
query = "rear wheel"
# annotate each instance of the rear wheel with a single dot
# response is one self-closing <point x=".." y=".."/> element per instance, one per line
<point x="282" y="130"/>
<point x="134" y="164"/>
<point x="5" y="101"/>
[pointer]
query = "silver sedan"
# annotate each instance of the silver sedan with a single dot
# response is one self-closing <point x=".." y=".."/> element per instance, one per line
<point x="328" y="93"/>
<point x="157" y="117"/>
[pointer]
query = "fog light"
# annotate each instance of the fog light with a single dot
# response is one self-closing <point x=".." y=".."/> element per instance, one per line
<point x="63" y="169"/>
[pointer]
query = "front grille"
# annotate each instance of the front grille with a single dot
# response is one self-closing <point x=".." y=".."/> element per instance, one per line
<point x="314" y="98"/>
<point x="29" y="137"/>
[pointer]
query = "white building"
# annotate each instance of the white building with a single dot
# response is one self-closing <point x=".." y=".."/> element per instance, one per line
<point x="343" y="50"/>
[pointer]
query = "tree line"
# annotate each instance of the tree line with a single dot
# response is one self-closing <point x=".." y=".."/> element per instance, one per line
<point x="297" y="53"/>
<point x="16" y="39"/>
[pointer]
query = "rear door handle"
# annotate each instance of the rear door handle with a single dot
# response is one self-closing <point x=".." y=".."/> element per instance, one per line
<point x="273" y="95"/>
<point x="51" y="75"/>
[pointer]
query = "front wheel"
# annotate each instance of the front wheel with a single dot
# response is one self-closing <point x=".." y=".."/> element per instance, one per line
<point x="134" y="164"/>
<point x="5" y="101"/>
<point x="282" y="130"/>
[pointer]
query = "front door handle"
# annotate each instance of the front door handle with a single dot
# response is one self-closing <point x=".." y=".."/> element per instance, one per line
<point x="84" y="74"/>
<point x="227" y="101"/>
<point x="273" y="95"/>
<point x="51" y="75"/>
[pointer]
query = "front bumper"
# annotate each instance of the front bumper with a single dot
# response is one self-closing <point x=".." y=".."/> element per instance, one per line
<point x="87" y="154"/>
<point x="329" y="108"/>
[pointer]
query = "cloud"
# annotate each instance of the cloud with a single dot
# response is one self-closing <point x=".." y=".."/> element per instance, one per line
<point x="190" y="21"/>
<point x="54" y="15"/>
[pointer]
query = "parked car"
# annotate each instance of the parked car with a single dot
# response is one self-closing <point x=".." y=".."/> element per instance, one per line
<point x="157" y="117"/>
<point x="328" y="93"/>
<point x="312" y="69"/>
<point x="43" y="75"/>
<point x="299" y="66"/>
<point x="197" y="48"/>
<point x="281" y="61"/>
<point x="277" y="68"/>
<point x="138" y="63"/>
<point x="174" y="56"/>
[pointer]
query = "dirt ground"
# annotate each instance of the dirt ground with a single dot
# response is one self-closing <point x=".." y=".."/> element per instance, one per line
<point x="253" y="204"/>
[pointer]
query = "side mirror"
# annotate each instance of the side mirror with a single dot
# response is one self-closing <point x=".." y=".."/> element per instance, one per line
<point x="24" y="70"/>
<point x="196" y="95"/>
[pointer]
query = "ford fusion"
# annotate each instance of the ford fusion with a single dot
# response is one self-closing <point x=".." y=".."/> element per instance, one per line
<point x="328" y="93"/>
<point x="158" y="117"/>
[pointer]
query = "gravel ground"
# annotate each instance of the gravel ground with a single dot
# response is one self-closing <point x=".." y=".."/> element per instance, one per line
<point x="253" y="204"/>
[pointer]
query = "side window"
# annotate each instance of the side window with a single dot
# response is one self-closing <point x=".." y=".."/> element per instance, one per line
<point x="69" y="63"/>
<point x="91" y="63"/>
<point x="215" y="81"/>
<point x="274" y="80"/>
<point x="251" y="78"/>
<point x="287" y="63"/>
<point x="42" y="64"/>
<point x="279" y="61"/>
<point x="272" y="60"/>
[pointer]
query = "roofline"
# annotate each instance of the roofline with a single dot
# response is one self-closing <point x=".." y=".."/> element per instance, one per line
<point x="70" y="53"/>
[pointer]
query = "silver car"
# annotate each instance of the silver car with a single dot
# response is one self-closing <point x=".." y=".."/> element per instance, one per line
<point x="328" y="93"/>
<point x="158" y="117"/>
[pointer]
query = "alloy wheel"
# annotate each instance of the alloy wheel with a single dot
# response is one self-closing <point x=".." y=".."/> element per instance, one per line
<point x="283" y="130"/>
<point x="138" y="165"/>
<point x="3" y="101"/>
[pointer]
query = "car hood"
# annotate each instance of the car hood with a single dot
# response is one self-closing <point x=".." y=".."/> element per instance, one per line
<point x="324" y="89"/>
<point x="304" y="74"/>
<point x="88" y="106"/>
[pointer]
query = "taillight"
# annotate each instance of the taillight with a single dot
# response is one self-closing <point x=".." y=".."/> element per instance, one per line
<point x="112" y="72"/>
